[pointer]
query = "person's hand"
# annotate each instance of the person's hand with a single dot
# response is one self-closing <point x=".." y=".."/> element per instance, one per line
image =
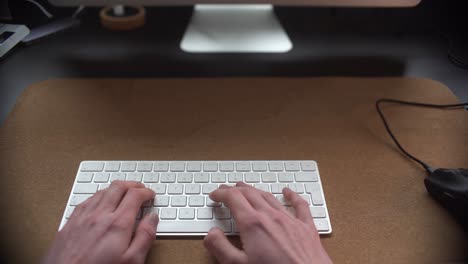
<point x="100" y="229"/>
<point x="269" y="233"/>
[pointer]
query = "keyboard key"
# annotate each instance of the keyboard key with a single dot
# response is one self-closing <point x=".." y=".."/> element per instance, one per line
<point x="210" y="166"/>
<point x="184" y="177"/>
<point x="177" y="166"/>
<point x="202" y="177"/>
<point x="306" y="197"/>
<point x="134" y="176"/>
<point x="235" y="177"/>
<point x="205" y="213"/>
<point x="277" y="188"/>
<point x="234" y="226"/>
<point x="282" y="200"/>
<point x="161" y="201"/>
<point x="178" y="200"/>
<point x="269" y="177"/>
<point x="149" y="210"/>
<point x="84" y="177"/>
<point x="194" y="166"/>
<point x="292" y="166"/>
<point x="167" y="213"/>
<point x="85" y="188"/>
<point x="226" y="166"/>
<point x="69" y="211"/>
<point x="317" y="198"/>
<point x="168" y="177"/>
<point x="308" y="166"/>
<point x="128" y="166"/>
<point x="316" y="193"/>
<point x="118" y="176"/>
<point x="193" y="227"/>
<point x="103" y="186"/>
<point x="311" y="187"/>
<point x="112" y="166"/>
<point x="150" y="177"/>
<point x="187" y="213"/>
<point x="306" y="176"/>
<point x="263" y="187"/>
<point x="285" y="177"/>
<point x="77" y="199"/>
<point x="161" y="166"/>
<point x="321" y="225"/>
<point x="276" y="165"/>
<point x="158" y="188"/>
<point x="101" y="177"/>
<point x="196" y="201"/>
<point x="318" y="212"/>
<point x="219" y="177"/>
<point x="175" y="189"/>
<point x="222" y="213"/>
<point x="211" y="203"/>
<point x="252" y="177"/>
<point x="243" y="166"/>
<point x="259" y="166"/>
<point x="192" y="188"/>
<point x="144" y="166"/>
<point x="207" y="188"/>
<point x="296" y="187"/>
<point x="90" y="166"/>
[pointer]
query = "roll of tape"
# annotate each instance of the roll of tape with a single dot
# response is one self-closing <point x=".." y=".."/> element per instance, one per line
<point x="130" y="21"/>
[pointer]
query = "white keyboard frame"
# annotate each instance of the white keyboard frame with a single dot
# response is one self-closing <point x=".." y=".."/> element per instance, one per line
<point x="63" y="221"/>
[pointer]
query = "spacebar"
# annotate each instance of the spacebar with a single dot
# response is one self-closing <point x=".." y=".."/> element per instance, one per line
<point x="193" y="226"/>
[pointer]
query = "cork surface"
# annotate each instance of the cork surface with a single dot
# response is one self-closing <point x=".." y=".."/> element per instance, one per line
<point x="379" y="208"/>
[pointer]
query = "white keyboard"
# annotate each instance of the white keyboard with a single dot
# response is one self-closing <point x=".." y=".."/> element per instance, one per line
<point x="182" y="189"/>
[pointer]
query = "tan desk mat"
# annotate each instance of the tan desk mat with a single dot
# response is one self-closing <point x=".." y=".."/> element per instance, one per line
<point x="380" y="211"/>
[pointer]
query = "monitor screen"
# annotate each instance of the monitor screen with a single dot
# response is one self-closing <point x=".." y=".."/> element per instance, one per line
<point x="234" y="26"/>
<point x="329" y="3"/>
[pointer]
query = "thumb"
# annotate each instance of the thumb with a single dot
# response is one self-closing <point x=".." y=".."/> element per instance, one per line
<point x="218" y="245"/>
<point x="145" y="234"/>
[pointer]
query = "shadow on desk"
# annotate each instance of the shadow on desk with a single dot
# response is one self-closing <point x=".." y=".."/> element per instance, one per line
<point x="201" y="65"/>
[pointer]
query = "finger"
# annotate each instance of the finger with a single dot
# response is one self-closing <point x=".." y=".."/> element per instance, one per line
<point x="242" y="184"/>
<point x="272" y="201"/>
<point x="132" y="202"/>
<point x="235" y="200"/>
<point x="145" y="234"/>
<point x="114" y="194"/>
<point x="219" y="246"/>
<point x="299" y="204"/>
<point x="255" y="198"/>
<point x="95" y="200"/>
<point x="89" y="205"/>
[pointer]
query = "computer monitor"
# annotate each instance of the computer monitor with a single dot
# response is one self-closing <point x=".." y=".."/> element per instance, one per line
<point x="234" y="26"/>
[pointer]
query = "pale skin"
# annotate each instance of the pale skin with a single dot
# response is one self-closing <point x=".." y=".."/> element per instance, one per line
<point x="100" y="230"/>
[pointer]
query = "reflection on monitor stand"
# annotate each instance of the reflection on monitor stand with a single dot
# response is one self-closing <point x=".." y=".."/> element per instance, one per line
<point x="235" y="29"/>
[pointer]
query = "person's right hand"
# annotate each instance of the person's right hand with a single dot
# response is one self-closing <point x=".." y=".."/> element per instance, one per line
<point x="268" y="232"/>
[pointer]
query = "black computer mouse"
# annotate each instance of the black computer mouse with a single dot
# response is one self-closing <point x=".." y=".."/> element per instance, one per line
<point x="450" y="188"/>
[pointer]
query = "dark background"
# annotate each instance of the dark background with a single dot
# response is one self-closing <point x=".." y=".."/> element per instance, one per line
<point x="417" y="42"/>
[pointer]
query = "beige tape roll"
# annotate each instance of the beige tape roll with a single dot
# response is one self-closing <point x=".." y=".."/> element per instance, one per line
<point x="122" y="22"/>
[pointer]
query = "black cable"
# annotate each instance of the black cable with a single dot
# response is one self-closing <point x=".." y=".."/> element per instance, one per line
<point x="428" y="168"/>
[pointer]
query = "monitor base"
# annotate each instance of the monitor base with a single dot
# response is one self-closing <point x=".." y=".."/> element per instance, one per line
<point x="235" y="29"/>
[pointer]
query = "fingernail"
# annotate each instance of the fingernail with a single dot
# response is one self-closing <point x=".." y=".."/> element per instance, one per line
<point x="154" y="218"/>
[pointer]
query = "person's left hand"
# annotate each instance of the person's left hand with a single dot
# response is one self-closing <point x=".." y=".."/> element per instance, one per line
<point x="100" y="230"/>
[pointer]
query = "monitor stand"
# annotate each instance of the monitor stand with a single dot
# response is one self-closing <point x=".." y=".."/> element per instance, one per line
<point x="235" y="29"/>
